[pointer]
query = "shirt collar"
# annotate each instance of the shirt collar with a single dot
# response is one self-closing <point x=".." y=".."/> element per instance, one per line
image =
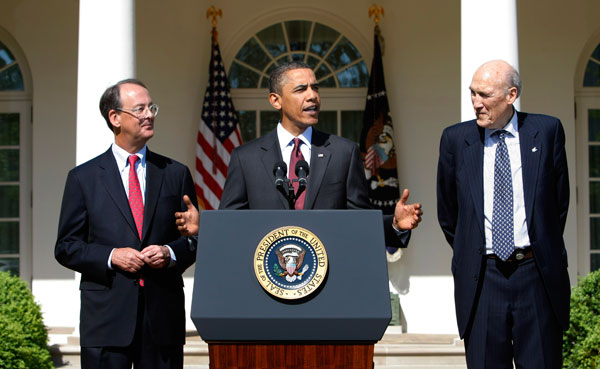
<point x="511" y="127"/>
<point x="121" y="155"/>
<point x="285" y="137"/>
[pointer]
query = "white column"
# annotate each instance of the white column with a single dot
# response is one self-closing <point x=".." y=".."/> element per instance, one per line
<point x="106" y="56"/>
<point x="488" y="31"/>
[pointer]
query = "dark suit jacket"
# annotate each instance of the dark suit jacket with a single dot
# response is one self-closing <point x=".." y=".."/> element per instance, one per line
<point x="546" y="192"/>
<point x="95" y="218"/>
<point x="336" y="178"/>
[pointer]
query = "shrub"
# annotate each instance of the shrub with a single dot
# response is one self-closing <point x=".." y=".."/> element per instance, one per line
<point x="581" y="344"/>
<point x="23" y="336"/>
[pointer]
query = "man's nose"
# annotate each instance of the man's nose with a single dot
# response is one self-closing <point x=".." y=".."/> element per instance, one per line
<point x="311" y="94"/>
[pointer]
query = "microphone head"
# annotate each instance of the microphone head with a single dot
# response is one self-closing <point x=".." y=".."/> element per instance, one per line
<point x="301" y="164"/>
<point x="280" y="165"/>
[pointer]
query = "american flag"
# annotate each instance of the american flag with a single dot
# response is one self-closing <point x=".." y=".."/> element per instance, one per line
<point x="218" y="134"/>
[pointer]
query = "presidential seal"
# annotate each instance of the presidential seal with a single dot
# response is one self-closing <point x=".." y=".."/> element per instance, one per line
<point x="290" y="262"/>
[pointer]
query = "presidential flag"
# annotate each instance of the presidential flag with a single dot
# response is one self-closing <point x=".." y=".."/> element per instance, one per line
<point x="218" y="134"/>
<point x="376" y="141"/>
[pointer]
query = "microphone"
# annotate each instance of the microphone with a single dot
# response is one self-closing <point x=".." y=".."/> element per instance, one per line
<point x="301" y="171"/>
<point x="280" y="170"/>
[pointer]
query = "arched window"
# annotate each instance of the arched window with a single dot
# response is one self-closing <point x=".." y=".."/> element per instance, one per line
<point x="338" y="65"/>
<point x="15" y="165"/>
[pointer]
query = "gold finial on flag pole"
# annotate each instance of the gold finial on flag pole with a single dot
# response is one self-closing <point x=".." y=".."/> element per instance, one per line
<point x="214" y="12"/>
<point x="377" y="11"/>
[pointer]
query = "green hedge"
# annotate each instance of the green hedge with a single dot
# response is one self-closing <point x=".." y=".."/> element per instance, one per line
<point x="23" y="336"/>
<point x="581" y="345"/>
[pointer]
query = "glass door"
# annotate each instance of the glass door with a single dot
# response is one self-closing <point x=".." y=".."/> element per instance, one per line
<point x="15" y="188"/>
<point x="588" y="183"/>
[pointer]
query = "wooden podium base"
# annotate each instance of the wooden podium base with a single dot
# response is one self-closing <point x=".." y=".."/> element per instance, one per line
<point x="290" y="356"/>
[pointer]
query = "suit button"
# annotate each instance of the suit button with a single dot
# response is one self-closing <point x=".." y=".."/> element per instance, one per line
<point x="480" y="251"/>
<point x="475" y="278"/>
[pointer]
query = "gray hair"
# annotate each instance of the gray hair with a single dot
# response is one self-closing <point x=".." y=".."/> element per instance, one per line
<point x="514" y="80"/>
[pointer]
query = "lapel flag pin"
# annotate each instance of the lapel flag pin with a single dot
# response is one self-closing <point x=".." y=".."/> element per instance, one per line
<point x="534" y="149"/>
<point x="320" y="155"/>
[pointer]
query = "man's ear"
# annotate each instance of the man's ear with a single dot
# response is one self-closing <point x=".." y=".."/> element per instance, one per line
<point x="114" y="118"/>
<point x="511" y="96"/>
<point x="275" y="100"/>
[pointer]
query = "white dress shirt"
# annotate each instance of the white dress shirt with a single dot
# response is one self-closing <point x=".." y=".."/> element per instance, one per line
<point x="521" y="236"/>
<point x="286" y="141"/>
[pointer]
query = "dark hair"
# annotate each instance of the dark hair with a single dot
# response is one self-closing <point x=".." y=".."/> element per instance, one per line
<point x="111" y="98"/>
<point x="276" y="79"/>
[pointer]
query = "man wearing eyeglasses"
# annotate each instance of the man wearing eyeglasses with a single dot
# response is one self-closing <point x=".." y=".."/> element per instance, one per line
<point x="116" y="228"/>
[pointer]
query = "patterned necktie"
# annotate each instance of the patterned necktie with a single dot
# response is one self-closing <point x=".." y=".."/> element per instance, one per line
<point x="503" y="242"/>
<point x="136" y="201"/>
<point x="294" y="158"/>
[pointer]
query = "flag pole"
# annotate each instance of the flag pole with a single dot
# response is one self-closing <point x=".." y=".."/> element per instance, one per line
<point x="219" y="130"/>
<point x="214" y="12"/>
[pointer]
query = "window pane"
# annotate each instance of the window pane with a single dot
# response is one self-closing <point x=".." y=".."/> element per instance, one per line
<point x="268" y="121"/>
<point x="298" y="57"/>
<point x="595" y="262"/>
<point x="343" y="54"/>
<point x="247" y="124"/>
<point x="272" y="38"/>
<point x="297" y="33"/>
<point x="596" y="53"/>
<point x="355" y="76"/>
<point x="592" y="74"/>
<point x="594" y="161"/>
<point x="283" y="59"/>
<point x="11" y="79"/>
<point x="594" y="197"/>
<point x="328" y="122"/>
<point x="595" y="233"/>
<point x="9" y="201"/>
<point x="9" y="129"/>
<point x="594" y="125"/>
<point x="352" y="124"/>
<point x="322" y="39"/>
<point x="9" y="165"/>
<point x="10" y="265"/>
<point x="264" y="83"/>
<point x="6" y="57"/>
<point x="322" y="71"/>
<point x="242" y="77"/>
<point x="254" y="55"/>
<point x="9" y="237"/>
<point x="312" y="61"/>
<point x="329" y="82"/>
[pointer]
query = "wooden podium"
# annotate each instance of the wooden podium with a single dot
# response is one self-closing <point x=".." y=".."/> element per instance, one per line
<point x="334" y="327"/>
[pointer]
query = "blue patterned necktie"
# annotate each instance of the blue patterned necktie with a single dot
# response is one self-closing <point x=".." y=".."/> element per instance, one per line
<point x="503" y="242"/>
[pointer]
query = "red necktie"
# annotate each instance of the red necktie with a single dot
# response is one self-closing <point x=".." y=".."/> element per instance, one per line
<point x="296" y="157"/>
<point x="136" y="202"/>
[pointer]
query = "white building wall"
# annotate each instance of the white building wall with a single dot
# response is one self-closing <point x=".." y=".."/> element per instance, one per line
<point x="422" y="65"/>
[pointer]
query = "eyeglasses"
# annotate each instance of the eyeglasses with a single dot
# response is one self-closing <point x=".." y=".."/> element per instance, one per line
<point x="140" y="111"/>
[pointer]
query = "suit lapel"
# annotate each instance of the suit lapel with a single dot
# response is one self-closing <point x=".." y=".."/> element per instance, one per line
<point x="319" y="159"/>
<point x="154" y="181"/>
<point x="271" y="154"/>
<point x="111" y="179"/>
<point x="473" y="157"/>
<point x="531" y="152"/>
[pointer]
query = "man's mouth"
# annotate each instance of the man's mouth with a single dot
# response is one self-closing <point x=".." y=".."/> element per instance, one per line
<point x="312" y="109"/>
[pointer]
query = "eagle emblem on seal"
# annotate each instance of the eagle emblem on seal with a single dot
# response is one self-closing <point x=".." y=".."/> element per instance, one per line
<point x="290" y="259"/>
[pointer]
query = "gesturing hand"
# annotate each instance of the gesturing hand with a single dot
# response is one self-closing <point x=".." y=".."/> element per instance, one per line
<point x="188" y="221"/>
<point x="407" y="216"/>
